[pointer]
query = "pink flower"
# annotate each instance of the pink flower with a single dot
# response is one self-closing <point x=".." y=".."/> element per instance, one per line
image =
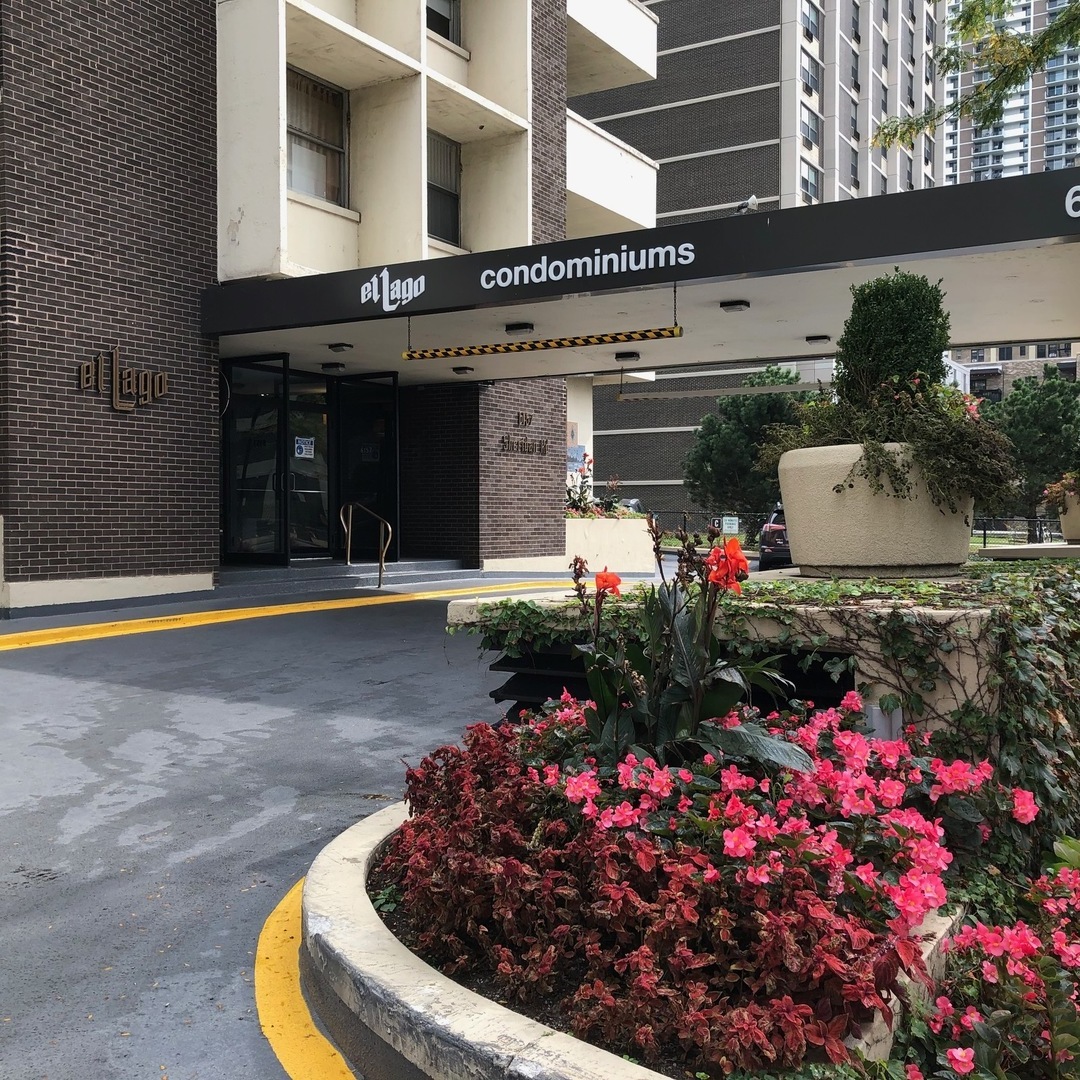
<point x="1024" y="808"/>
<point x="989" y="972"/>
<point x="758" y="875"/>
<point x="962" y="1061"/>
<point x="738" y="843"/>
<point x="584" y="786"/>
<point x="866" y="873"/>
<point x="852" y="701"/>
<point x="551" y="775"/>
<point x="913" y="1072"/>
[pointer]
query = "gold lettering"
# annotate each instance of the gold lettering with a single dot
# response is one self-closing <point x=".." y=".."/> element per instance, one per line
<point x="161" y="383"/>
<point x="117" y="402"/>
<point x="86" y="375"/>
<point x="146" y="382"/>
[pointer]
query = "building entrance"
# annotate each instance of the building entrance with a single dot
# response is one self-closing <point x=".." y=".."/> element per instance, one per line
<point x="297" y="447"/>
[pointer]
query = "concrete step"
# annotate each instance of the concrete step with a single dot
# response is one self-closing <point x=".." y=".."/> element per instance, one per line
<point x="309" y="578"/>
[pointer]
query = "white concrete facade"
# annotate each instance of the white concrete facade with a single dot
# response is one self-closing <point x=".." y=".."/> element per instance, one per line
<point x="874" y="60"/>
<point x="400" y="81"/>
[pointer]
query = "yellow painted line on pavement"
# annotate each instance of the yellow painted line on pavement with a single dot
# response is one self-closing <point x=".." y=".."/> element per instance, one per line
<point x="60" y="635"/>
<point x="304" y="1052"/>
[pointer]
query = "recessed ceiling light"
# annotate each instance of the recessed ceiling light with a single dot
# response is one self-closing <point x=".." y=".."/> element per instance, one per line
<point x="817" y="339"/>
<point x="339" y="346"/>
<point x="463" y="370"/>
<point x="333" y="365"/>
<point x="734" y="305"/>
<point x="519" y="328"/>
<point x="627" y="357"/>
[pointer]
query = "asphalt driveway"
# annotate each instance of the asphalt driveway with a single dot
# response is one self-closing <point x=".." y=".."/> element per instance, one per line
<point x="160" y="792"/>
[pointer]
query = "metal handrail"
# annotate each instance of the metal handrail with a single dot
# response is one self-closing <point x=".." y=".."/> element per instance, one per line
<point x="385" y="529"/>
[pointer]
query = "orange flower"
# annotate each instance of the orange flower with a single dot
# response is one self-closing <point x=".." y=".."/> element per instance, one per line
<point x="607" y="583"/>
<point x="728" y="565"/>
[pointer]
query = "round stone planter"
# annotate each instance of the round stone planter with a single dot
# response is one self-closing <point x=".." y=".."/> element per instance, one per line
<point x="859" y="533"/>
<point x="395" y="1018"/>
<point x="1070" y="520"/>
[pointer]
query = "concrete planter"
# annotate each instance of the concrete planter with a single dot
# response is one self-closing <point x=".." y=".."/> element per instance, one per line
<point x="858" y="533"/>
<point x="621" y="544"/>
<point x="402" y="1020"/>
<point x="1070" y="520"/>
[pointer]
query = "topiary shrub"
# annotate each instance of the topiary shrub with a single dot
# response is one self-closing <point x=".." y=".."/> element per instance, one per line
<point x="898" y="329"/>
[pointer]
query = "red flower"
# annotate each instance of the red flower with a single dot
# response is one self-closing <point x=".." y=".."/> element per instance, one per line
<point x="728" y="566"/>
<point x="607" y="583"/>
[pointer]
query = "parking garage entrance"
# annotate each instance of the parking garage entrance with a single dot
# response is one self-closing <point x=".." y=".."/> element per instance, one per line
<point x="298" y="447"/>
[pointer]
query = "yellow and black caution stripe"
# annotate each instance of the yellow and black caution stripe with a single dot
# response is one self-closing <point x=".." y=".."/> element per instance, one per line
<point x="620" y="338"/>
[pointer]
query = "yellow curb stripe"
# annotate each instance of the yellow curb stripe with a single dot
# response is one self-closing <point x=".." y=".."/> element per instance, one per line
<point x="60" y="635"/>
<point x="304" y="1052"/>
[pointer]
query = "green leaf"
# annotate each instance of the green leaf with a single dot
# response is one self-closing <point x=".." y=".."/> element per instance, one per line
<point x="751" y="741"/>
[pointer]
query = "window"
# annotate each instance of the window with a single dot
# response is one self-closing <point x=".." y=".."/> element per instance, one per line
<point x="854" y="168"/>
<point x="810" y="181"/>
<point x="1023" y="351"/>
<point x="909" y="44"/>
<point x="910" y="86"/>
<point x="908" y="173"/>
<point x="854" y="121"/>
<point x="883" y="184"/>
<point x="978" y="386"/>
<point x="810" y="126"/>
<point x="931" y="31"/>
<point x="855" y="20"/>
<point x="977" y="357"/>
<point x="854" y="70"/>
<point x="811" y="74"/>
<point x="444" y="188"/>
<point x="885" y="98"/>
<point x="884" y="52"/>
<point x="810" y="19"/>
<point x="1004" y="353"/>
<point x="444" y="18"/>
<point x="317" y="122"/>
<point x="885" y="10"/>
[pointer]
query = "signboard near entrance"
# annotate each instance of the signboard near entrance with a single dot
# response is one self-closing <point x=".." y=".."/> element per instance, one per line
<point x="305" y="447"/>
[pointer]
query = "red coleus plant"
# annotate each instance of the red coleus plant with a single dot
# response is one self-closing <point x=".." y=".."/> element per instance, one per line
<point x="739" y="915"/>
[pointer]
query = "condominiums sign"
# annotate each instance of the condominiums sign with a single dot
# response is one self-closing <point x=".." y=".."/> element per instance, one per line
<point x="598" y="264"/>
<point x="129" y="387"/>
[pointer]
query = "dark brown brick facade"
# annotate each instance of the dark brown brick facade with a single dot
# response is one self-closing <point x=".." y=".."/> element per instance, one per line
<point x="107" y="191"/>
<point x="549" y="120"/>
<point x="470" y="489"/>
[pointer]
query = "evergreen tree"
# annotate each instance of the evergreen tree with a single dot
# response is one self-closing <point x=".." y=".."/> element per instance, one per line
<point x="1042" y="418"/>
<point x="719" y="468"/>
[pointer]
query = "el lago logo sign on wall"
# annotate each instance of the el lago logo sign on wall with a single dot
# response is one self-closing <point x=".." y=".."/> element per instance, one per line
<point x="130" y="387"/>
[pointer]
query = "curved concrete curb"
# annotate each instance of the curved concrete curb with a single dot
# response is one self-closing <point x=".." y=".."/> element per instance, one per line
<point x="397" y="1018"/>
<point x="413" y="1021"/>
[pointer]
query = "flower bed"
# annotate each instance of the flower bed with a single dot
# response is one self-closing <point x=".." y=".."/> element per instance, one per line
<point x="739" y="891"/>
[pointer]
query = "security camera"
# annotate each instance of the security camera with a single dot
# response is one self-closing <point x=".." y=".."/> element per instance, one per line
<point x="747" y="205"/>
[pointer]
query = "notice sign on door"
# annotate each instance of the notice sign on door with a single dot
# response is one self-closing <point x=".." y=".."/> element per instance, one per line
<point x="305" y="448"/>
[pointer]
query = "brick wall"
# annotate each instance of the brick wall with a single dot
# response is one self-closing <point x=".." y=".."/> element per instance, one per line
<point x="467" y="494"/>
<point x="549" y="120"/>
<point x="440" y="472"/>
<point x="523" y="490"/>
<point x="107" y="195"/>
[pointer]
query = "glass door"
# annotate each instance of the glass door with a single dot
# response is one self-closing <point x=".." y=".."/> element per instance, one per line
<point x="307" y="475"/>
<point x="253" y="506"/>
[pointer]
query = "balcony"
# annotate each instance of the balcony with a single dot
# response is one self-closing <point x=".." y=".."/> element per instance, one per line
<point x="323" y="46"/>
<point x="609" y="43"/>
<point x="610" y="186"/>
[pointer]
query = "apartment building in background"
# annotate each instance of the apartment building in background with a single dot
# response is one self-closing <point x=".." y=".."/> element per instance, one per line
<point x="777" y="100"/>
<point x="243" y="141"/>
<point x="1039" y="131"/>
